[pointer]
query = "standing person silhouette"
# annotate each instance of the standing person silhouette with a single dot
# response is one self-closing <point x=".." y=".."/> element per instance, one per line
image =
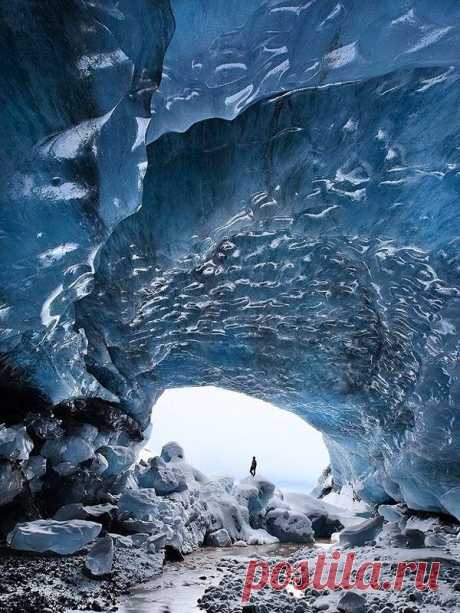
<point x="252" y="470"/>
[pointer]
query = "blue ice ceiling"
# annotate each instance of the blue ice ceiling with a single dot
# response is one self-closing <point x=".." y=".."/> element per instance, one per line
<point x="228" y="54"/>
<point x="291" y="231"/>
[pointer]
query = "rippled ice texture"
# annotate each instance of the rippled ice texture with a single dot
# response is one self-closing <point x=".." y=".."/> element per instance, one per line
<point x="305" y="252"/>
<point x="227" y="54"/>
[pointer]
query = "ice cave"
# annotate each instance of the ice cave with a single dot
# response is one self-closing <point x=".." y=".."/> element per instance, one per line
<point x="259" y="195"/>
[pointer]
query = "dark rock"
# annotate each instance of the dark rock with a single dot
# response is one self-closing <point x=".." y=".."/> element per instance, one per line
<point x="351" y="602"/>
<point x="173" y="555"/>
<point x="415" y="538"/>
<point x="101" y="413"/>
<point x="98" y="605"/>
<point x="324" y="526"/>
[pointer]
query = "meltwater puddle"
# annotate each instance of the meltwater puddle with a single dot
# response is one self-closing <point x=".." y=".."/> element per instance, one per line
<point x="182" y="583"/>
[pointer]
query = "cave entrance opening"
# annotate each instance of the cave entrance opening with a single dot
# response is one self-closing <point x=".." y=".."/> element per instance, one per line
<point x="220" y="431"/>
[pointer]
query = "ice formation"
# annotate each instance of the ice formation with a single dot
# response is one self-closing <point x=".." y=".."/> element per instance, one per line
<point x="356" y="536"/>
<point x="300" y="244"/>
<point x="63" y="537"/>
<point x="226" y="55"/>
<point x="214" y="512"/>
<point x="100" y="558"/>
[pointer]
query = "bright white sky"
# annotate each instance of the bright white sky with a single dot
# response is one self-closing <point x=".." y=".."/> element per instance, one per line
<point x="220" y="431"/>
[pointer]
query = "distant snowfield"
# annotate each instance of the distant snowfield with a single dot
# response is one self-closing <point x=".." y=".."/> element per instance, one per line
<point x="221" y="431"/>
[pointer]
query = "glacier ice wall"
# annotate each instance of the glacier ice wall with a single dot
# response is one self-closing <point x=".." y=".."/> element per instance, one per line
<point x="307" y="253"/>
<point x="76" y="82"/>
<point x="76" y="79"/>
<point x="226" y="55"/>
<point x="303" y="248"/>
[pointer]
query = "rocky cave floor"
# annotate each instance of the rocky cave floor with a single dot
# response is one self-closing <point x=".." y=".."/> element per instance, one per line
<point x="54" y="584"/>
<point x="226" y="596"/>
<point x="87" y="557"/>
<point x="33" y="583"/>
